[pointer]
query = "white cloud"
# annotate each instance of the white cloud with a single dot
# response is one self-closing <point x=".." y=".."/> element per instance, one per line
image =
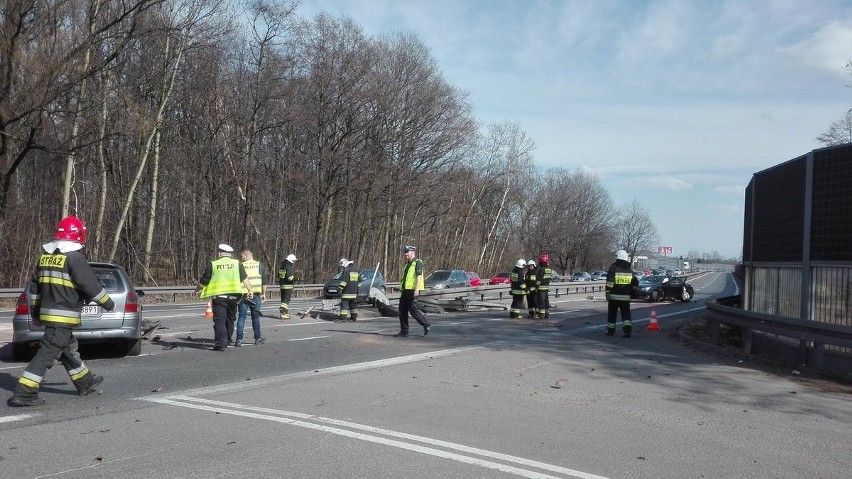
<point x="737" y="190"/>
<point x="829" y="48"/>
<point x="669" y="183"/>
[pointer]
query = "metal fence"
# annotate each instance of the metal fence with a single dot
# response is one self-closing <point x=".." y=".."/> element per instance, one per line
<point x="797" y="245"/>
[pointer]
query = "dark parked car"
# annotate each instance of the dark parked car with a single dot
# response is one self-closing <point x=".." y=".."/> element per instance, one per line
<point x="661" y="288"/>
<point x="581" y="276"/>
<point x="599" y="276"/>
<point x="475" y="280"/>
<point x="122" y="326"/>
<point x="501" y="278"/>
<point x="447" y="278"/>
<point x="366" y="278"/>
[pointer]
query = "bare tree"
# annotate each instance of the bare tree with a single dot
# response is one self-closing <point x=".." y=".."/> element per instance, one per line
<point x="635" y="231"/>
<point x="839" y="132"/>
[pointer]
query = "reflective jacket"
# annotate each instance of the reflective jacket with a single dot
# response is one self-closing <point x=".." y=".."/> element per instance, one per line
<point x="620" y="281"/>
<point x="518" y="281"/>
<point x="543" y="276"/>
<point x="226" y="278"/>
<point x="286" y="276"/>
<point x="411" y="272"/>
<point x="63" y="282"/>
<point x="254" y="273"/>
<point x="531" y="281"/>
<point x="348" y="283"/>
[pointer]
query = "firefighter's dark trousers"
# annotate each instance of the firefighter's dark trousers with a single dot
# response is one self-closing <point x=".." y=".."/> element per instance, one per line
<point x="347" y="309"/>
<point x="59" y="343"/>
<point x="284" y="309"/>
<point x="517" y="305"/>
<point x="613" y="307"/>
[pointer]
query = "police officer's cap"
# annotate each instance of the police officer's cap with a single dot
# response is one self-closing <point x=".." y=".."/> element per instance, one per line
<point x="407" y="248"/>
<point x="225" y="248"/>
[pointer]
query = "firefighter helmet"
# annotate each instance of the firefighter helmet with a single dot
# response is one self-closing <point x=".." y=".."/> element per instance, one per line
<point x="621" y="254"/>
<point x="520" y="263"/>
<point x="291" y="258"/>
<point x="71" y="228"/>
<point x="530" y="263"/>
<point x="544" y="258"/>
<point x="342" y="262"/>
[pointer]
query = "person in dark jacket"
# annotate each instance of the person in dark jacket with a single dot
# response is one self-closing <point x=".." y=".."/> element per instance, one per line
<point x="63" y="282"/>
<point x="620" y="284"/>
<point x="348" y="291"/>
<point x="532" y="289"/>
<point x="286" y="282"/>
<point x="518" y="288"/>
<point x="544" y="275"/>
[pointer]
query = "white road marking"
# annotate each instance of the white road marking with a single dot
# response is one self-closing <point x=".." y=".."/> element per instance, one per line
<point x="19" y="417"/>
<point x="354" y="431"/>
<point x="308" y="339"/>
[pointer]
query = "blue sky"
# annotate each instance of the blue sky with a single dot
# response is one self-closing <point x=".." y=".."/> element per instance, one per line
<point x="673" y="103"/>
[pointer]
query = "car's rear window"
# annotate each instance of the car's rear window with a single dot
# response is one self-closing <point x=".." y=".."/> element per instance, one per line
<point x="110" y="279"/>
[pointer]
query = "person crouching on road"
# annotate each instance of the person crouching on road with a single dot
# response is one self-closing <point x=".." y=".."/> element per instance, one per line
<point x="223" y="280"/>
<point x="62" y="283"/>
<point x="620" y="283"/>
<point x="411" y="282"/>
<point x="518" y="288"/>
<point x="348" y="291"/>
<point x="531" y="281"/>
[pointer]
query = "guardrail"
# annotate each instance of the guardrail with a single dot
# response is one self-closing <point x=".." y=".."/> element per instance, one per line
<point x="813" y="336"/>
<point x="314" y="290"/>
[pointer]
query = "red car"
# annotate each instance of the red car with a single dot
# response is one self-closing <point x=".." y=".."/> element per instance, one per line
<point x="474" y="278"/>
<point x="501" y="278"/>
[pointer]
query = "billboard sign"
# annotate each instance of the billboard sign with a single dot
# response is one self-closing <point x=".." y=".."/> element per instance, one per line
<point x="664" y="249"/>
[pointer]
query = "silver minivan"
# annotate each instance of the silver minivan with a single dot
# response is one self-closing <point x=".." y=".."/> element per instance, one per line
<point x="122" y="326"/>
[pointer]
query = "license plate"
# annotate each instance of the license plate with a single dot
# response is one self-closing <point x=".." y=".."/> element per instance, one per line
<point x="332" y="290"/>
<point x="91" y="310"/>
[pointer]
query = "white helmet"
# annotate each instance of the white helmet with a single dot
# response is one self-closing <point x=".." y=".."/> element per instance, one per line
<point x="291" y="258"/>
<point x="621" y="254"/>
<point x="342" y="262"/>
<point x="520" y="263"/>
<point x="530" y="263"/>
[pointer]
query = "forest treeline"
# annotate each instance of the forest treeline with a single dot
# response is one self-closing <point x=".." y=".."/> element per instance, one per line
<point x="172" y="126"/>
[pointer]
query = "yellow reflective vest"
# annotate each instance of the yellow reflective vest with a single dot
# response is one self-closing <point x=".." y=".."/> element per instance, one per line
<point x="225" y="279"/>
<point x="410" y="275"/>
<point x="252" y="268"/>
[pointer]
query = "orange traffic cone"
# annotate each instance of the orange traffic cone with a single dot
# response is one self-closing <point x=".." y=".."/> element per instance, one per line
<point x="209" y="312"/>
<point x="653" y="325"/>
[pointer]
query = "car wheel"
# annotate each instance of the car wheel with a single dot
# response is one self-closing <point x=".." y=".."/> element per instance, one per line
<point x="133" y="347"/>
<point x="654" y="296"/>
<point x="685" y="296"/>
